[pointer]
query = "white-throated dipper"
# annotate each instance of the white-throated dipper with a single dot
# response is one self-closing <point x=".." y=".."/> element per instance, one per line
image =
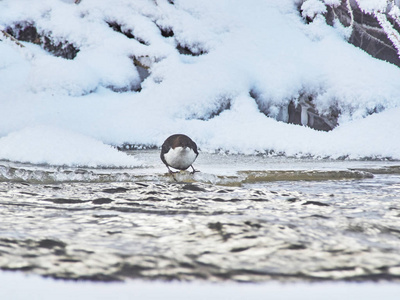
<point x="179" y="152"/>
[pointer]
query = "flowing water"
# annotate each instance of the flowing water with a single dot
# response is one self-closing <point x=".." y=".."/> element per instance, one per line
<point x="242" y="218"/>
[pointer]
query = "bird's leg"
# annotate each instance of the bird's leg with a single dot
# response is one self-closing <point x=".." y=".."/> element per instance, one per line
<point x="173" y="176"/>
<point x="194" y="171"/>
<point x="172" y="173"/>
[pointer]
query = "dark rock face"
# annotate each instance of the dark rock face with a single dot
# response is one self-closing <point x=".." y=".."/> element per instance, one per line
<point x="28" y="33"/>
<point x="300" y="111"/>
<point x="305" y="113"/>
<point x="127" y="32"/>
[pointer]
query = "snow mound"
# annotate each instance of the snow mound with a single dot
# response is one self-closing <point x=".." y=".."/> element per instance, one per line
<point x="55" y="146"/>
<point x="230" y="74"/>
<point x="373" y="137"/>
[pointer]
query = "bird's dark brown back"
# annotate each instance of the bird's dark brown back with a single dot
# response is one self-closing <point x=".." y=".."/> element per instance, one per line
<point x="178" y="140"/>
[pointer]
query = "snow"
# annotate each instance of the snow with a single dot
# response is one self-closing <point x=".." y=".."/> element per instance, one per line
<point x="23" y="287"/>
<point x="372" y="5"/>
<point x="94" y="100"/>
<point x="56" y="146"/>
<point x="332" y="2"/>
<point x="310" y="8"/>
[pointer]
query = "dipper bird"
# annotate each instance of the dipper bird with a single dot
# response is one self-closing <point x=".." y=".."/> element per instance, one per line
<point x="179" y="152"/>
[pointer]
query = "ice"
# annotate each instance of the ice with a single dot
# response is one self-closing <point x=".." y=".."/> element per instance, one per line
<point x="204" y="60"/>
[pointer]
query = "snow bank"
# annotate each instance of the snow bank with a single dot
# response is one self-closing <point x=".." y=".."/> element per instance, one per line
<point x="55" y="146"/>
<point x="147" y="69"/>
<point x="246" y="130"/>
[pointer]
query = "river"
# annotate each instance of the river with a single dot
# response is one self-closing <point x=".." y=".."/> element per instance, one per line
<point x="241" y="218"/>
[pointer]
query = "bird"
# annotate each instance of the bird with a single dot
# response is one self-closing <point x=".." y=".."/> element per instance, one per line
<point x="179" y="152"/>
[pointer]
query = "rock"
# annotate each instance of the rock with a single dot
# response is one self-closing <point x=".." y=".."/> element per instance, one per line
<point x="300" y="111"/>
<point x="27" y="32"/>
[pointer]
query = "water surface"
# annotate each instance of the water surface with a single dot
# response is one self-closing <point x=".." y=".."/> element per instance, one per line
<point x="242" y="218"/>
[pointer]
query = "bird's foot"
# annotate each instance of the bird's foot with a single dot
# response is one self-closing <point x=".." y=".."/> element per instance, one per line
<point x="194" y="171"/>
<point x="173" y="175"/>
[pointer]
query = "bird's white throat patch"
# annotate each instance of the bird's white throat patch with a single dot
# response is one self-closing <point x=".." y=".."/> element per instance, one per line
<point x="180" y="158"/>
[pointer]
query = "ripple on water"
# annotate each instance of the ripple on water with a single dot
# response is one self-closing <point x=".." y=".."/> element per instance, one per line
<point x="289" y="230"/>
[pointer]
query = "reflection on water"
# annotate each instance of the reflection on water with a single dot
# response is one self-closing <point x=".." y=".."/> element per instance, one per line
<point x="241" y="218"/>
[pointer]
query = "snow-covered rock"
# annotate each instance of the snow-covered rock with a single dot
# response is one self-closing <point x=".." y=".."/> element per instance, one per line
<point x="227" y="73"/>
<point x="56" y="146"/>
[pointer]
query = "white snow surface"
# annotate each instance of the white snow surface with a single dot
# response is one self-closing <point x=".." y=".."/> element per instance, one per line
<point x="372" y="5"/>
<point x="247" y="45"/>
<point x="56" y="146"/>
<point x="310" y="8"/>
